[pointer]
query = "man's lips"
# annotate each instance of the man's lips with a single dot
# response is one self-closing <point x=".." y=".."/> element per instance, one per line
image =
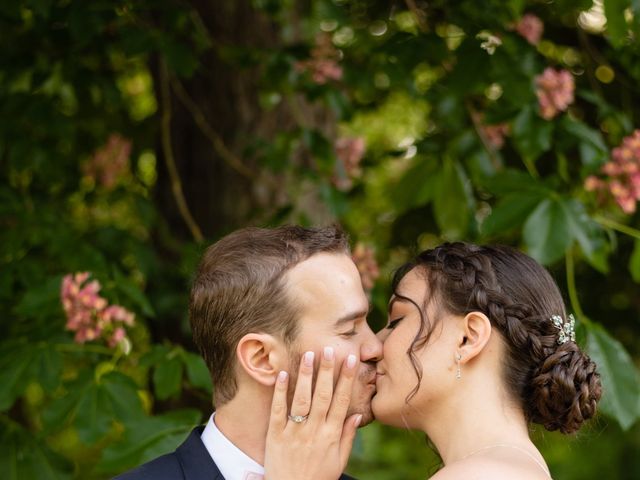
<point x="370" y="377"/>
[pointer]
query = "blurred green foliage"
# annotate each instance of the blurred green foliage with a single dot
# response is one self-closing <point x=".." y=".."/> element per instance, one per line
<point x="416" y="81"/>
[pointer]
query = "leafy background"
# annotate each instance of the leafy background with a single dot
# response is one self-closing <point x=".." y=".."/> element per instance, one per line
<point x="134" y="133"/>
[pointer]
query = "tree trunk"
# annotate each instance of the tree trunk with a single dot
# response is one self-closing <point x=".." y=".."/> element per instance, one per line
<point x="209" y="118"/>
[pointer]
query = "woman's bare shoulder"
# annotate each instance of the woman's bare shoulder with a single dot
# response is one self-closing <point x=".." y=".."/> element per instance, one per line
<point x="488" y="469"/>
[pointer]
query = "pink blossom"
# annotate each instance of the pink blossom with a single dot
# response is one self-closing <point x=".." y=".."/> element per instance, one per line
<point x="349" y="153"/>
<point x="110" y="162"/>
<point x="118" y="335"/>
<point x="365" y="260"/>
<point x="495" y="134"/>
<point x="323" y="64"/>
<point x="593" y="183"/>
<point x="555" y="92"/>
<point x="89" y="315"/>
<point x="531" y="28"/>
<point x="622" y="175"/>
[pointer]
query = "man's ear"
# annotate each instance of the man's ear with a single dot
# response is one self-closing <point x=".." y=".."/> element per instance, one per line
<point x="477" y="332"/>
<point x="260" y="355"/>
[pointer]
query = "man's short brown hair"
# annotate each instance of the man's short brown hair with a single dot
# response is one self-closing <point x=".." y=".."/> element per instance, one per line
<point x="239" y="289"/>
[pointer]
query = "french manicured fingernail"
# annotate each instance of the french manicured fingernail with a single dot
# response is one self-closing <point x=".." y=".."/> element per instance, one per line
<point x="308" y="359"/>
<point x="358" y="420"/>
<point x="351" y="361"/>
<point x="328" y="353"/>
<point x="282" y="376"/>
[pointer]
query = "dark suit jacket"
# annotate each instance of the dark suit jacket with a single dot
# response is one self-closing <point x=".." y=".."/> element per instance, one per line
<point x="190" y="461"/>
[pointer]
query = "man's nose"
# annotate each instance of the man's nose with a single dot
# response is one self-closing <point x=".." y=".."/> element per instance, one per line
<point x="371" y="349"/>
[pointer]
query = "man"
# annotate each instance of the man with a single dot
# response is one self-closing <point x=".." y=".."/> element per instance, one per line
<point x="260" y="299"/>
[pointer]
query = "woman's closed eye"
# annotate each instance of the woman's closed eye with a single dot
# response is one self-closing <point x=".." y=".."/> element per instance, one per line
<point x="393" y="323"/>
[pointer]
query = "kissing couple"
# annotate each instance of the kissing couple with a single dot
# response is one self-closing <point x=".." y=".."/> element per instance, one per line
<point x="477" y="346"/>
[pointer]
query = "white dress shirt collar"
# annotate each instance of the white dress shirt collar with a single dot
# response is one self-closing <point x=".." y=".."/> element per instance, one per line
<point x="232" y="462"/>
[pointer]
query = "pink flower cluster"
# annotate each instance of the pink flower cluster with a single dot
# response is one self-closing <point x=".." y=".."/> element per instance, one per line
<point x="495" y="134"/>
<point x="531" y="28"/>
<point x="89" y="315"/>
<point x="349" y="153"/>
<point x="110" y="162"/>
<point x="623" y="174"/>
<point x="323" y="64"/>
<point x="365" y="260"/>
<point x="555" y="92"/>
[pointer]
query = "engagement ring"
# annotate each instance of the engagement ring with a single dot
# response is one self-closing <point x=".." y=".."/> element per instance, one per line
<point x="298" y="418"/>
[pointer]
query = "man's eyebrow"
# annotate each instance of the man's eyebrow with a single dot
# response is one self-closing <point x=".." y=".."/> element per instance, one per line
<point x="349" y="317"/>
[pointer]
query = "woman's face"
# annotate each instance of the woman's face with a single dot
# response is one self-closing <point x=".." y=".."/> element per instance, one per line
<point x="397" y="377"/>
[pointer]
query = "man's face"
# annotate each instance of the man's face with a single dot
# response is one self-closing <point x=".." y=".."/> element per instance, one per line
<point x="333" y="313"/>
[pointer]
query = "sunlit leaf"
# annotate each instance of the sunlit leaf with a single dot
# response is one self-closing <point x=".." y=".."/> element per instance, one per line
<point x="616" y="23"/>
<point x="450" y="205"/>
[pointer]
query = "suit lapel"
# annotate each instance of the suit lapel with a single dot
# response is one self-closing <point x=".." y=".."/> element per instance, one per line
<point x="195" y="460"/>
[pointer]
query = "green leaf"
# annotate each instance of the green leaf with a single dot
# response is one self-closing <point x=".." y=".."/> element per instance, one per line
<point x="197" y="371"/>
<point x="634" y="262"/>
<point x="122" y="394"/>
<point x="40" y="301"/>
<point x="148" y="438"/>
<point x="93" y="415"/>
<point x="510" y="212"/>
<point x="450" y="204"/>
<point x="620" y="379"/>
<point x="63" y="409"/>
<point x="593" y="149"/>
<point x="546" y="232"/>
<point x="322" y="150"/>
<point x="133" y="292"/>
<point x="589" y="234"/>
<point x="513" y="181"/>
<point x="616" y="23"/>
<point x="24" y="456"/>
<point x="15" y="364"/>
<point x="635" y="9"/>
<point x="531" y="134"/>
<point x="417" y="186"/>
<point x="167" y="377"/>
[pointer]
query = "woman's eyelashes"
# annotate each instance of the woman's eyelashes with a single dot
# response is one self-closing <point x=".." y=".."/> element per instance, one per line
<point x="393" y="323"/>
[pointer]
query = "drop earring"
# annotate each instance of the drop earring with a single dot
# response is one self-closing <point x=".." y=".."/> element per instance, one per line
<point x="458" y="372"/>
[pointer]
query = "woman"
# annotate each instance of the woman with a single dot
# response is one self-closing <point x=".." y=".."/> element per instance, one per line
<point x="477" y="346"/>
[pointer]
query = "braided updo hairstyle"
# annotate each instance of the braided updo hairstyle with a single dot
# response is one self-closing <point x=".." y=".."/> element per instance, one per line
<point x="556" y="385"/>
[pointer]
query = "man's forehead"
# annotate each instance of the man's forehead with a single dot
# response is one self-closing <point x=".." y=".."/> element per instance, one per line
<point x="326" y="268"/>
<point x="328" y="280"/>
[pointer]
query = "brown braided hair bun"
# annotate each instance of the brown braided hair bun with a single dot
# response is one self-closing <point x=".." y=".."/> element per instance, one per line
<point x="556" y="385"/>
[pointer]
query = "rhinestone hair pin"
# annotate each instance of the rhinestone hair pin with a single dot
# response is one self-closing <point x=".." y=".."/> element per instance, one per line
<point x="566" y="330"/>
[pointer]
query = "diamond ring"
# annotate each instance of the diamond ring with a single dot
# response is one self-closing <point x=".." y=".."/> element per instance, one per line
<point x="298" y="418"/>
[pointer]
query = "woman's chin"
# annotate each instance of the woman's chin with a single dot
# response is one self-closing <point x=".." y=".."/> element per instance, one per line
<point x="380" y="413"/>
<point x="387" y="414"/>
